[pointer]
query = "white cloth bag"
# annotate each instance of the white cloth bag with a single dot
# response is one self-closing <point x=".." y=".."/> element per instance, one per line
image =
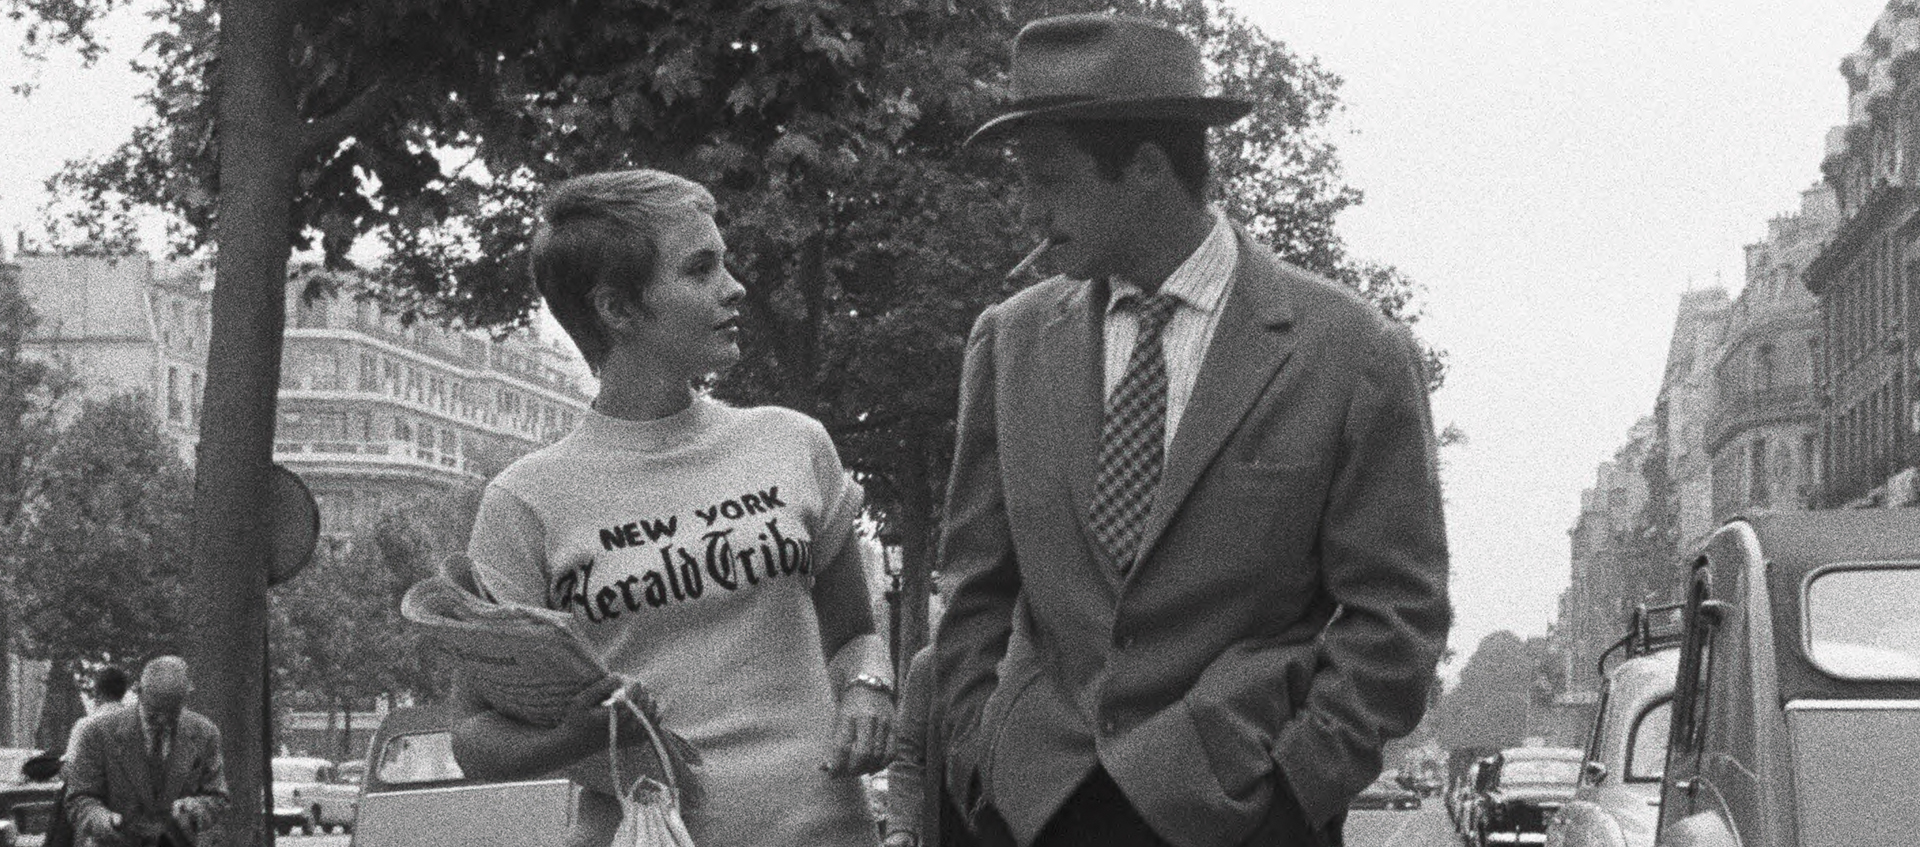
<point x="650" y="811"/>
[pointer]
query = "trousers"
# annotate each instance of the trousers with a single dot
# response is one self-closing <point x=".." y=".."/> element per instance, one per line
<point x="1098" y="814"/>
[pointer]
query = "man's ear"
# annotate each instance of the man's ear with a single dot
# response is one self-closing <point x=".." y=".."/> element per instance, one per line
<point x="1150" y="168"/>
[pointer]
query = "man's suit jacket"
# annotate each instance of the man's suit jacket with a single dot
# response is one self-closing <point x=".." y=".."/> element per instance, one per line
<point x="108" y="767"/>
<point x="1289" y="606"/>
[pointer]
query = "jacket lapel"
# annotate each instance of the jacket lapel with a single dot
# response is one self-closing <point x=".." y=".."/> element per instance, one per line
<point x="1072" y="352"/>
<point x="134" y="767"/>
<point x="1250" y="344"/>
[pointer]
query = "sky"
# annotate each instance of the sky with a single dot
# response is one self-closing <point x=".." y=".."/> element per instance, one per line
<point x="1556" y="174"/>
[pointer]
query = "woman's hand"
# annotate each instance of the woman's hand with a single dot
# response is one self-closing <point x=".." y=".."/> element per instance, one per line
<point x="586" y="714"/>
<point x="863" y="730"/>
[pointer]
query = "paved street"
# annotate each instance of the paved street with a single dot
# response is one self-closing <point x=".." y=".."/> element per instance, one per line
<point x="337" y="840"/>
<point x="1424" y="827"/>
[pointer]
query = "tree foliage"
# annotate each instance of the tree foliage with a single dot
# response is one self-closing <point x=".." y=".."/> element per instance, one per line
<point x="1504" y="681"/>
<point x="103" y="542"/>
<point x="33" y="392"/>
<point x="338" y="635"/>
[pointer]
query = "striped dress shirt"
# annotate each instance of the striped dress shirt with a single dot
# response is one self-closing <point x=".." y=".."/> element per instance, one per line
<point x="1201" y="285"/>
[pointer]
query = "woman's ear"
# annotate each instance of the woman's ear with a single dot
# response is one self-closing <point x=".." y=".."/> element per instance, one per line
<point x="615" y="311"/>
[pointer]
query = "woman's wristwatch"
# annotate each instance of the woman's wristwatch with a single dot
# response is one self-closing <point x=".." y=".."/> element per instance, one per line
<point x="872" y="681"/>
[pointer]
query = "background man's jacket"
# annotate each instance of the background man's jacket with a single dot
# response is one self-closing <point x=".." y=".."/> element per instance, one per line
<point x="108" y="767"/>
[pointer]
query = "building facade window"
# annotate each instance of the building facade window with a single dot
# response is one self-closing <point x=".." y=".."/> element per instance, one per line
<point x="1757" y="491"/>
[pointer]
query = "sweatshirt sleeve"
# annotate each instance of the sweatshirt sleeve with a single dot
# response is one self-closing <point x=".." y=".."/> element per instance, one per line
<point x="508" y="549"/>
<point x="841" y="499"/>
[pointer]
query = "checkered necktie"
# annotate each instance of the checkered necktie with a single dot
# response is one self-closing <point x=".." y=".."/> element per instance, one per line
<point x="1133" y="437"/>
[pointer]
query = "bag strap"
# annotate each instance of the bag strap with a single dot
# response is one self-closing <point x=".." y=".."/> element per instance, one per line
<point x="616" y="703"/>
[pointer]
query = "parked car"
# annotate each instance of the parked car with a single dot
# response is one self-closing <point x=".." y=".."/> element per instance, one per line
<point x="1519" y="791"/>
<point x="1617" y="802"/>
<point x="415" y="794"/>
<point x="1796" y="707"/>
<point x="315" y="786"/>
<point x="1385" y="793"/>
<point x="287" y="817"/>
<point x="29" y="779"/>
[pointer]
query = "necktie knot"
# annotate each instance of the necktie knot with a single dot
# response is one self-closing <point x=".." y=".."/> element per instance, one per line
<point x="1153" y="312"/>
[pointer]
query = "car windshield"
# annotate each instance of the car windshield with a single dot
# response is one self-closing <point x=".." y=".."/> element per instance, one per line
<point x="419" y="757"/>
<point x="1533" y="771"/>
<point x="1864" y="623"/>
<point x="285" y="770"/>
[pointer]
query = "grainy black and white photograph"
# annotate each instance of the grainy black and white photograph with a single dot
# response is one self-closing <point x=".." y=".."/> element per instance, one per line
<point x="959" y="423"/>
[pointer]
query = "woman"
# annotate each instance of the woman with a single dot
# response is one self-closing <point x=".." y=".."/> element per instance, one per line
<point x="705" y="552"/>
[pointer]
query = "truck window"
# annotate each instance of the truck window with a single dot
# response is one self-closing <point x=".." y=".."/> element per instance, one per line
<point x="1863" y="622"/>
<point x="1647" y="746"/>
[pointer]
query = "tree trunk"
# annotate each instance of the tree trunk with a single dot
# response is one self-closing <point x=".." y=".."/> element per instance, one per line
<point x="228" y="598"/>
<point x="800" y="352"/>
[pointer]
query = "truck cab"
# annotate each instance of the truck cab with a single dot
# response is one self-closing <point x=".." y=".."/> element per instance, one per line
<point x="1796" y="704"/>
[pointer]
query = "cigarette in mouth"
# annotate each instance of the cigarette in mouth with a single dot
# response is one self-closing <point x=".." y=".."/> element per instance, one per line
<point x="1032" y="258"/>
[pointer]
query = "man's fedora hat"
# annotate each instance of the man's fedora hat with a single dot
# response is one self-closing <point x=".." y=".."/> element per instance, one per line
<point x="1090" y="67"/>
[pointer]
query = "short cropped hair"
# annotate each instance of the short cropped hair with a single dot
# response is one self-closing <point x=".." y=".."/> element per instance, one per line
<point x="1112" y="144"/>
<point x="110" y="684"/>
<point x="604" y="230"/>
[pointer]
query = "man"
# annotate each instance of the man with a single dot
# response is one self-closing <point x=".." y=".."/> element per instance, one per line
<point x="150" y="775"/>
<point x="1194" y="511"/>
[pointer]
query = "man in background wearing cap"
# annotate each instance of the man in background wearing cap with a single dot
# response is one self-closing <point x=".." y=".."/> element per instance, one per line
<point x="1194" y="514"/>
<point x="150" y="775"/>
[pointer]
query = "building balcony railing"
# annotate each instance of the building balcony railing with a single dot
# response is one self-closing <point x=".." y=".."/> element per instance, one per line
<point x="1739" y="411"/>
<point x="362" y="452"/>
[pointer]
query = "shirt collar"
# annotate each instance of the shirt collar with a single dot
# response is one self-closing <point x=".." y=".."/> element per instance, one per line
<point x="1201" y="281"/>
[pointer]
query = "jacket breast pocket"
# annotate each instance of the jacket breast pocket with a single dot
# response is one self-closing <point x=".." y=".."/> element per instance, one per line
<point x="1260" y="476"/>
